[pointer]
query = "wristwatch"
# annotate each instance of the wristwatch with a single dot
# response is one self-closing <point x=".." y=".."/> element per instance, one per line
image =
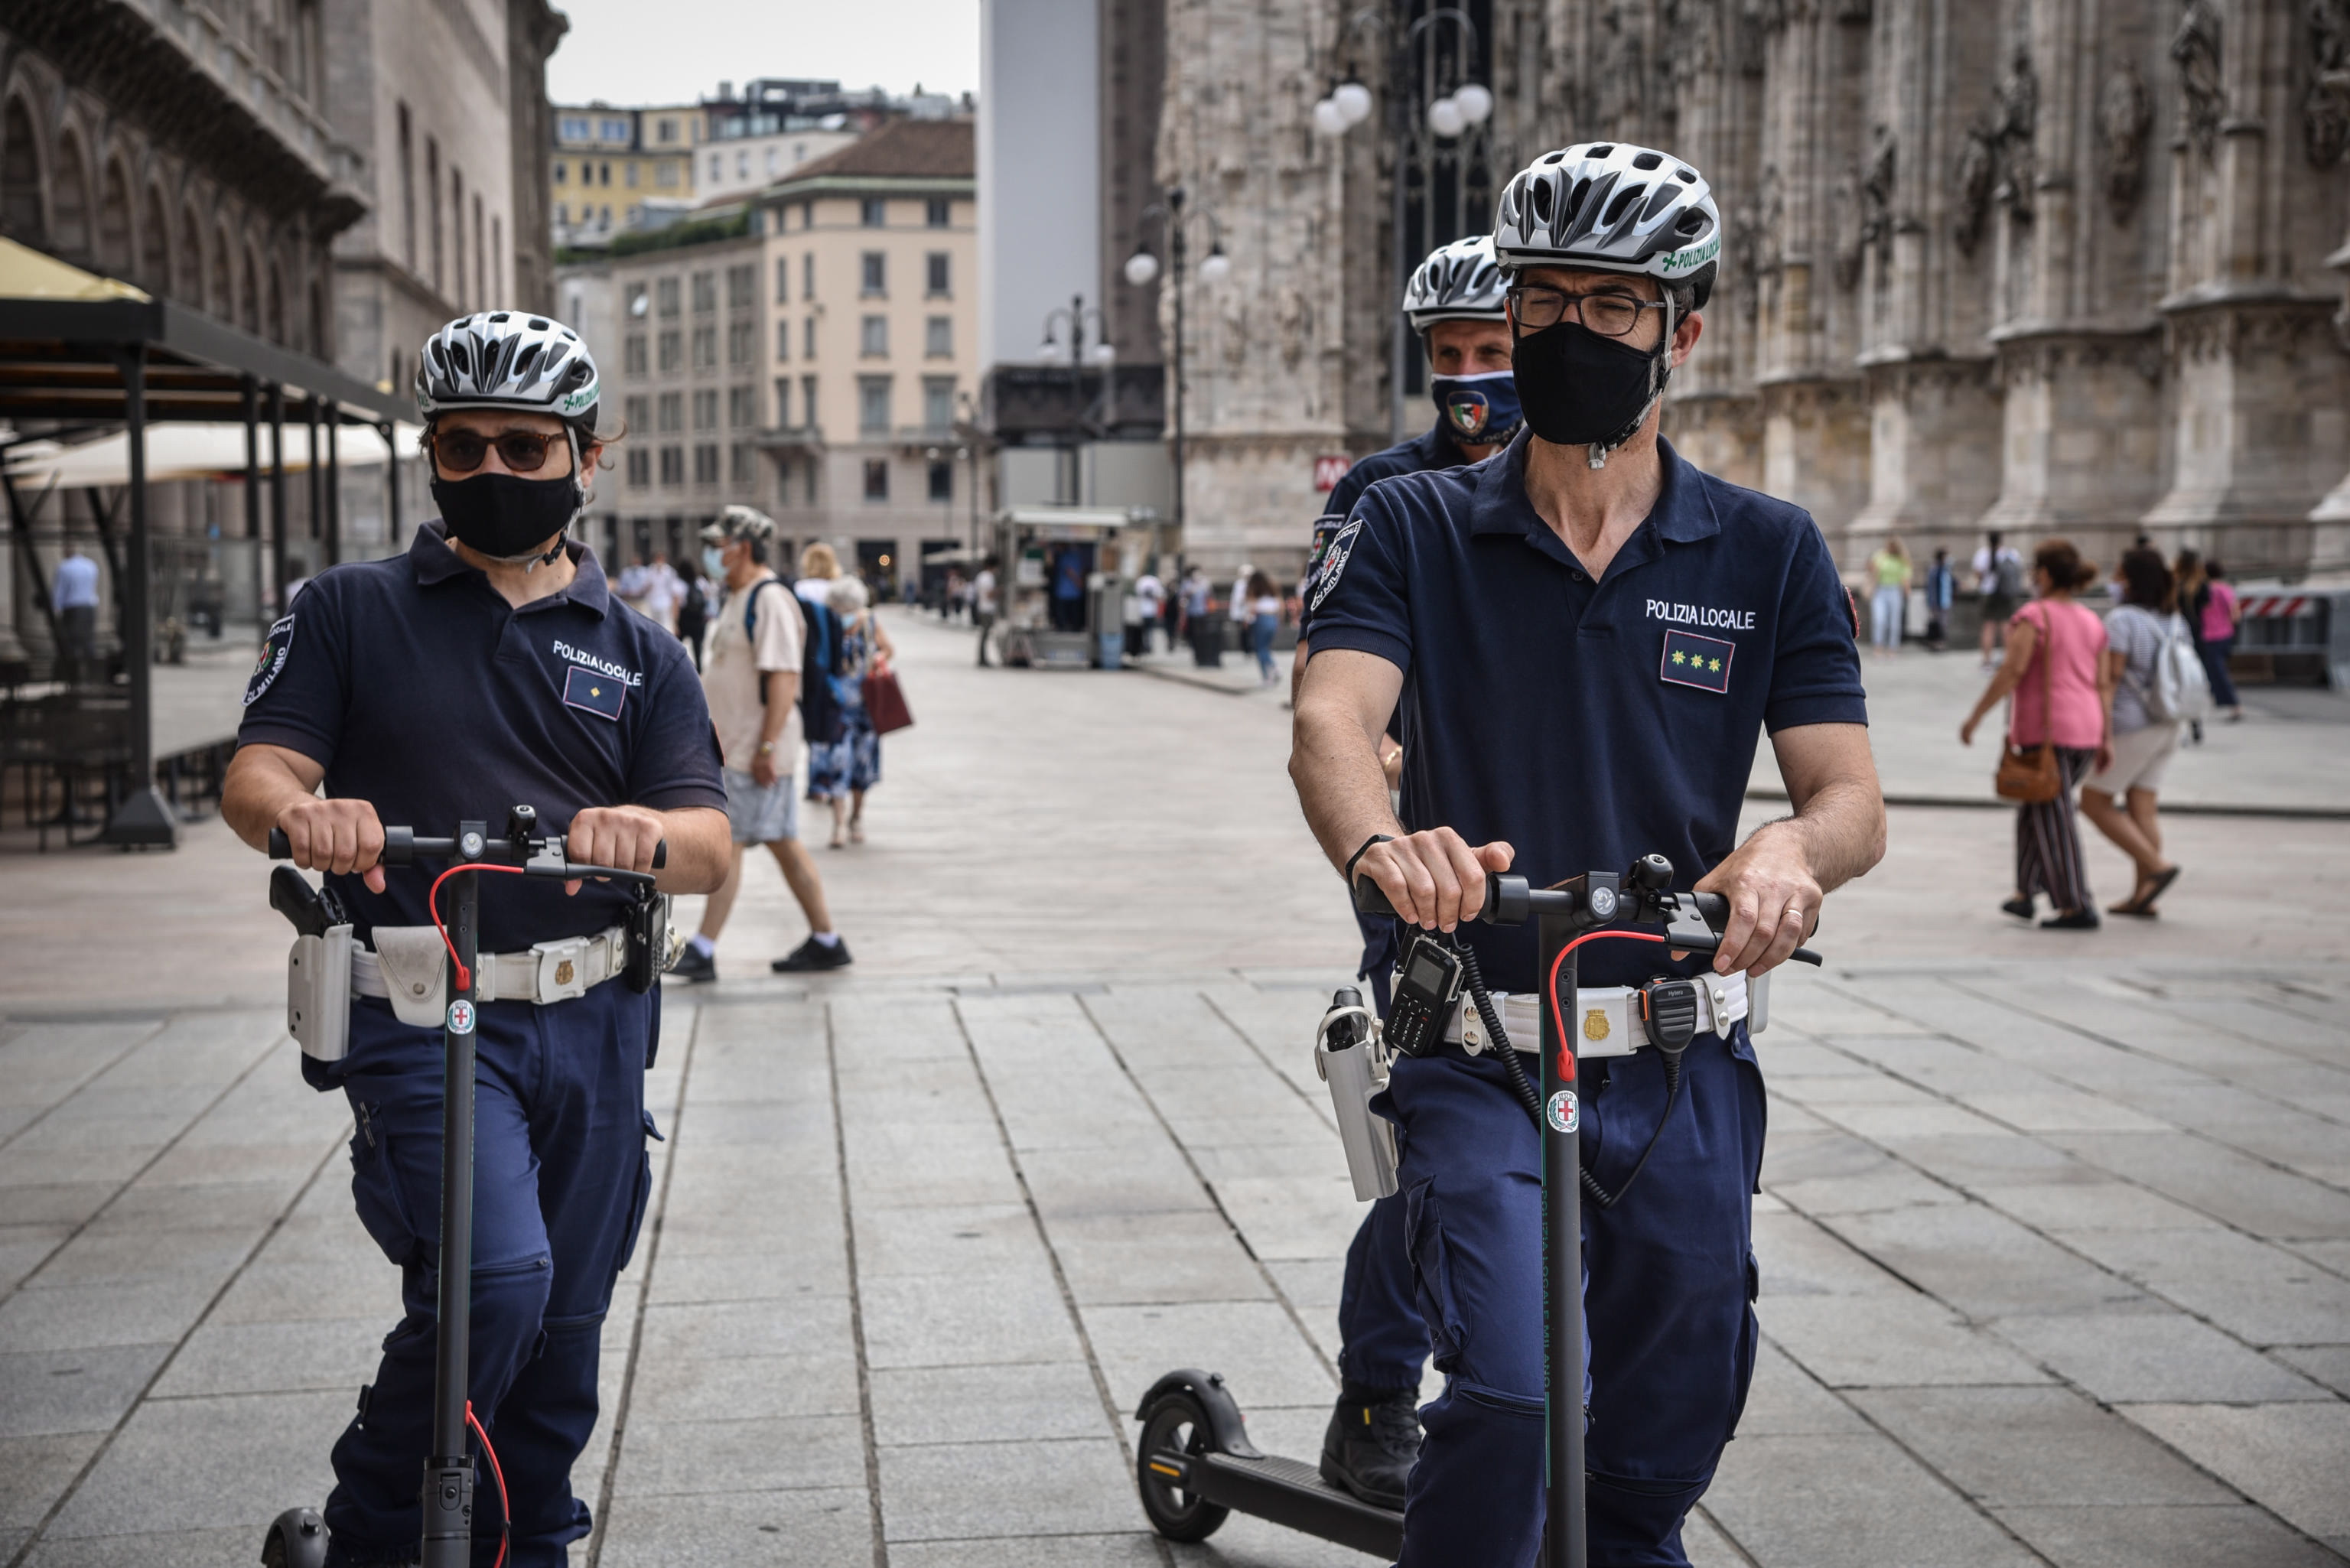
<point x="766" y="748"/>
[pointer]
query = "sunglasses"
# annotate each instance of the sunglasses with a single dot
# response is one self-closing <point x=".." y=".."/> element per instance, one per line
<point x="461" y="451"/>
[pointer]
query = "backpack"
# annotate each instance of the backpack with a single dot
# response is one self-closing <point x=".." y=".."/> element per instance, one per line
<point x="819" y="710"/>
<point x="2181" y="688"/>
<point x="2007" y="576"/>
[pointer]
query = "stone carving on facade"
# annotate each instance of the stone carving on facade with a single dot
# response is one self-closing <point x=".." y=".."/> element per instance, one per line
<point x="1863" y="203"/>
<point x="1970" y="181"/>
<point x="2195" y="55"/>
<point x="2125" y="116"/>
<point x="2018" y="116"/>
<point x="2325" y="108"/>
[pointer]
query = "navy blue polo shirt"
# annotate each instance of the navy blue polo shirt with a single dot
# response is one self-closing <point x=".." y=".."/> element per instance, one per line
<point x="1433" y="449"/>
<point x="419" y="688"/>
<point x="1589" y="722"/>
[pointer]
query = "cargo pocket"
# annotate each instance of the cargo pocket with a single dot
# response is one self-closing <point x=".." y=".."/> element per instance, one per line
<point x="1424" y="1237"/>
<point x="643" y="1199"/>
<point x="1749" y="1333"/>
<point x="375" y="1189"/>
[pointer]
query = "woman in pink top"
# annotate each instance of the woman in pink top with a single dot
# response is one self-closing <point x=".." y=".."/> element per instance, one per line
<point x="2217" y="613"/>
<point x="2055" y="672"/>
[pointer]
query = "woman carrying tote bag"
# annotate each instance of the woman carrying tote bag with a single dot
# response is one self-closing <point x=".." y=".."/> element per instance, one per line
<point x="2060" y="725"/>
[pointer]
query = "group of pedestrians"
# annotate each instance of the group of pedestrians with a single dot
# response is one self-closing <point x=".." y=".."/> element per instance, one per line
<point x="2099" y="705"/>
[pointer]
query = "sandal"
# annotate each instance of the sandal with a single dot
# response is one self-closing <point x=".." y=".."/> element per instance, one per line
<point x="856" y="831"/>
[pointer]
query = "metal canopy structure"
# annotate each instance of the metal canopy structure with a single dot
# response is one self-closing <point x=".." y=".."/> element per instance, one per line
<point x="110" y="358"/>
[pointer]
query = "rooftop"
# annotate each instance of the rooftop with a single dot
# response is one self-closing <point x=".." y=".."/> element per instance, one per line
<point x="899" y="150"/>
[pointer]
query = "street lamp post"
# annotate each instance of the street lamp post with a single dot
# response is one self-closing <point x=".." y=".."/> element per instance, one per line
<point x="1142" y="266"/>
<point x="1102" y="355"/>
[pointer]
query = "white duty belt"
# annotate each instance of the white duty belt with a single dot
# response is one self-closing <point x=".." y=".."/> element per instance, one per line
<point x="408" y="967"/>
<point x="1608" y="1021"/>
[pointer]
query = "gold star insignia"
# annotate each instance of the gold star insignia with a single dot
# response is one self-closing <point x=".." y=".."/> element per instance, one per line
<point x="598" y="690"/>
<point x="1714" y="665"/>
<point x="1679" y="656"/>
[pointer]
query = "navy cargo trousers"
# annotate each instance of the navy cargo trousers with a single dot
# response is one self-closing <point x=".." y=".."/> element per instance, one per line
<point x="1670" y="1285"/>
<point x="560" y="1182"/>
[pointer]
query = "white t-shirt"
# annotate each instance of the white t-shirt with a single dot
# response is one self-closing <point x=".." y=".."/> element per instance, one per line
<point x="734" y="665"/>
<point x="1985" y="562"/>
<point x="1152" y="593"/>
<point x="983" y="588"/>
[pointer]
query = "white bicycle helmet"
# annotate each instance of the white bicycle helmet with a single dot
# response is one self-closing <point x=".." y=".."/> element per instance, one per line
<point x="1457" y="282"/>
<point x="507" y="359"/>
<point x="1609" y="206"/>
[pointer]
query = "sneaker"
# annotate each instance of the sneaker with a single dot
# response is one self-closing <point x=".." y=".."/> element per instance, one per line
<point x="813" y="954"/>
<point x="1371" y="1446"/>
<point x="694" y="967"/>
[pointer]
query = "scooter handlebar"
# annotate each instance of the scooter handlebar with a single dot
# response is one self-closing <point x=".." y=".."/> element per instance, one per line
<point x="1510" y="900"/>
<point x="400" y="847"/>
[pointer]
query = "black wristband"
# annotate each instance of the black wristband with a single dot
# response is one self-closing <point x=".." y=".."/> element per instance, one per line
<point x="1352" y="859"/>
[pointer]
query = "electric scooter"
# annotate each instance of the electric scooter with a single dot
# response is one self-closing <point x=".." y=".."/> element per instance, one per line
<point x="1195" y="1464"/>
<point x="297" y="1538"/>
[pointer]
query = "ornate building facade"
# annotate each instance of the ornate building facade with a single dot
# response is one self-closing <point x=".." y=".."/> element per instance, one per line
<point x="2053" y="266"/>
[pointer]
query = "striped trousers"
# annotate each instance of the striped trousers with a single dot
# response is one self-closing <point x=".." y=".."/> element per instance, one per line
<point x="2048" y="839"/>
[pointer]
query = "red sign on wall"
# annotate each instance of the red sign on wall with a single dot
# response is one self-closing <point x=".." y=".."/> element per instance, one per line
<point x="1329" y="471"/>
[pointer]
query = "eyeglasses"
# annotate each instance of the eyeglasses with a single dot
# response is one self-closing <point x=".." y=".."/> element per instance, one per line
<point x="461" y="451"/>
<point x="1609" y="315"/>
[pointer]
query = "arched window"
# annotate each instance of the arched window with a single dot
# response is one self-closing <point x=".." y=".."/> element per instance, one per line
<point x="113" y="248"/>
<point x="155" y="245"/>
<point x="274" y="320"/>
<point x="194" y="281"/>
<point x="20" y="177"/>
<point x="70" y="203"/>
<point x="248" y="293"/>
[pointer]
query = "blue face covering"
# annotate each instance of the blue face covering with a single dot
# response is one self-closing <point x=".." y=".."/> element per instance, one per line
<point x="1477" y="411"/>
<point x="714" y="562"/>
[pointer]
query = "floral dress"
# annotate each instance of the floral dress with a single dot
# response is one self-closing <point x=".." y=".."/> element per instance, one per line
<point x="853" y="762"/>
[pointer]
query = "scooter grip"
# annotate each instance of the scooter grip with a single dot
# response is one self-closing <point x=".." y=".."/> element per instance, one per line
<point x="1715" y="910"/>
<point x="661" y="855"/>
<point x="280" y="847"/>
<point x="1369" y="898"/>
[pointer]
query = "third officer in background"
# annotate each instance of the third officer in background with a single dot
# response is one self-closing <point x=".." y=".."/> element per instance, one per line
<point x="1454" y="302"/>
<point x="1588" y="635"/>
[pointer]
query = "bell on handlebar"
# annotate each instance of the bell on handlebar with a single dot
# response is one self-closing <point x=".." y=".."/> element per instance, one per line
<point x="522" y="825"/>
<point x="1652" y="872"/>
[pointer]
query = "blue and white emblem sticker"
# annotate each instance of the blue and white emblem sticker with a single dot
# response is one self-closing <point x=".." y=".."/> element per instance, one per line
<point x="460" y="1017"/>
<point x="274" y="648"/>
<point x="1693" y="661"/>
<point x="1470" y="411"/>
<point x="1341" y="547"/>
<point x="1565" y="1113"/>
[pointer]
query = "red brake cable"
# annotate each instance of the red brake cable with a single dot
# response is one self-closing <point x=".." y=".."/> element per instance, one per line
<point x="506" y="1512"/>
<point x="433" y="908"/>
<point x="1558" y="1014"/>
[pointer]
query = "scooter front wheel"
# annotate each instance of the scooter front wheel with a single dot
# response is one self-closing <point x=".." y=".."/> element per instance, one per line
<point x="296" y="1539"/>
<point x="1175" y="1424"/>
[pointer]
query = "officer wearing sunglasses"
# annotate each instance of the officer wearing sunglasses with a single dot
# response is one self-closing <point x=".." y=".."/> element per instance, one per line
<point x="490" y="665"/>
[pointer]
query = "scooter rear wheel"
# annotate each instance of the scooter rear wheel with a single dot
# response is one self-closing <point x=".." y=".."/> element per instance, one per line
<point x="296" y="1539"/>
<point x="1176" y="1424"/>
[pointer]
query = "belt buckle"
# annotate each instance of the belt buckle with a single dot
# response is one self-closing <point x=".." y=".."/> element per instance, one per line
<point x="562" y="969"/>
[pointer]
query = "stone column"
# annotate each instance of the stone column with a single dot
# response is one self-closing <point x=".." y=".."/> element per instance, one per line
<point x="1814" y="416"/>
<point x="2257" y="426"/>
<point x="1934" y="412"/>
<point x="2053" y="178"/>
<point x="2329" y="543"/>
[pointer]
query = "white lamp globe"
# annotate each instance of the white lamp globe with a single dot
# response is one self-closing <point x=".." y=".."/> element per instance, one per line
<point x="1217" y="267"/>
<point x="1049" y="352"/>
<point x="1330" y="119"/>
<point x="1103" y="354"/>
<point x="1141" y="267"/>
<point x="1444" y="117"/>
<point x="1354" y="100"/>
<point x="1476" y="103"/>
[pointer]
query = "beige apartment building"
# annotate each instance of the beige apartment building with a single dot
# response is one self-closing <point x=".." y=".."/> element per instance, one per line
<point x="817" y="362"/>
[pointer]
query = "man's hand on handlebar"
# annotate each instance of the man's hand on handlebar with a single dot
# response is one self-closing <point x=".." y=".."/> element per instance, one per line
<point x="621" y="835"/>
<point x="1435" y="879"/>
<point x="339" y="836"/>
<point x="1773" y="898"/>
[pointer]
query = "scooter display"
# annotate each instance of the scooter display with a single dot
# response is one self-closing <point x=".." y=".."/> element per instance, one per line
<point x="1194" y="1464"/>
<point x="297" y="1538"/>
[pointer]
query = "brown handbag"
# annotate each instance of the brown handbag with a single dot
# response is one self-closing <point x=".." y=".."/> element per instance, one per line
<point x="2031" y="775"/>
<point x="885" y="703"/>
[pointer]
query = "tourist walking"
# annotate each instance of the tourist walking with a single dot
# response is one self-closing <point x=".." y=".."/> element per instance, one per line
<point x="1941" y="592"/>
<point x="1264" y="623"/>
<point x="840" y="771"/>
<point x="2217" y="612"/>
<point x="693" y="611"/>
<point x="1889" y="574"/>
<point x="2055" y="673"/>
<point x="2187" y="572"/>
<point x="665" y="592"/>
<point x="2139" y="635"/>
<point x="983" y="605"/>
<point x="1998" y="578"/>
<point x="820" y="570"/>
<point x="73" y="594"/>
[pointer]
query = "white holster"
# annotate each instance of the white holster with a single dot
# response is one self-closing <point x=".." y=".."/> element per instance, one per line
<point x="1356" y="1072"/>
<point x="319" y="994"/>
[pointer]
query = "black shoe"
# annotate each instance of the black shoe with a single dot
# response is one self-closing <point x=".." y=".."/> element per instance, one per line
<point x="1371" y="1445"/>
<point x="2078" y="920"/>
<point x="813" y="954"/>
<point x="2021" y="908"/>
<point x="695" y="967"/>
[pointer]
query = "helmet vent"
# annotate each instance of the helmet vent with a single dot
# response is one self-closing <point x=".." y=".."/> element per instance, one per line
<point x="524" y="363"/>
<point x="1691" y="224"/>
<point x="498" y="319"/>
<point x="1538" y="201"/>
<point x="1554" y="157"/>
<point x="1604" y="150"/>
<point x="1686" y="176"/>
<point x="1621" y="204"/>
<point x="1574" y="200"/>
<point x="537" y="325"/>
<point x="1648" y="160"/>
<point x="1658" y="200"/>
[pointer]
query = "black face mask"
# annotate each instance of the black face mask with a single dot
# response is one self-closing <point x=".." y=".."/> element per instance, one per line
<point x="504" y="515"/>
<point x="1580" y="388"/>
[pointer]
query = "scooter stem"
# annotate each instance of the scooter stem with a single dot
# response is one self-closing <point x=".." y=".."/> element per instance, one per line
<point x="448" y="1495"/>
<point x="1562" y="1144"/>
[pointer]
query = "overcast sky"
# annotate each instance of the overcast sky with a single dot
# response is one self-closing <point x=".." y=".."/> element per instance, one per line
<point x="673" y="51"/>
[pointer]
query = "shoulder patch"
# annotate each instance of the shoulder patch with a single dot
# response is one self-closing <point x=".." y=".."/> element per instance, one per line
<point x="1341" y="549"/>
<point x="275" y="649"/>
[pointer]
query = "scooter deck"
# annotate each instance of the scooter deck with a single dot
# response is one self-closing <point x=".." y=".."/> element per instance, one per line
<point x="1290" y="1494"/>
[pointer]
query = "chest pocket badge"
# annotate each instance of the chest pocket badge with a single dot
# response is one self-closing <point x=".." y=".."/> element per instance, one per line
<point x="594" y="693"/>
<point x="1693" y="661"/>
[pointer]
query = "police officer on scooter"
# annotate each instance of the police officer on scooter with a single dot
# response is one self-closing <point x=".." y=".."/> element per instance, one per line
<point x="1454" y="302"/>
<point x="1586" y="635"/>
<point x="488" y="666"/>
